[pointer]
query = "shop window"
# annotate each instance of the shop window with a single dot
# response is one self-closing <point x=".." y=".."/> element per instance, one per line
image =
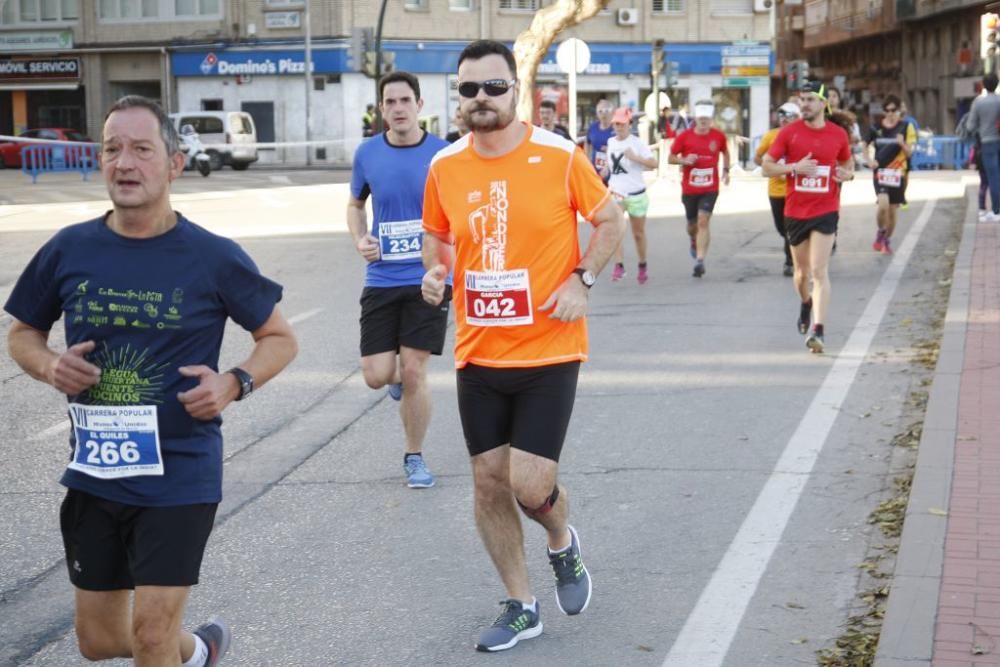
<point x="668" y="6"/>
<point x="37" y="11"/>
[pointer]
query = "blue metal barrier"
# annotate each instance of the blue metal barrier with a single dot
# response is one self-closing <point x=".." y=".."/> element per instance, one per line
<point x="38" y="159"/>
<point x="942" y="152"/>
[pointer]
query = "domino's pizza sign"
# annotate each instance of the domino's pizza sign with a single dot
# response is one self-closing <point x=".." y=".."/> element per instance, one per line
<point x="209" y="63"/>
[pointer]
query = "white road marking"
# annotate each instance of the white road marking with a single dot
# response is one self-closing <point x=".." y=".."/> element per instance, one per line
<point x="50" y="431"/>
<point x="302" y="317"/>
<point x="710" y="628"/>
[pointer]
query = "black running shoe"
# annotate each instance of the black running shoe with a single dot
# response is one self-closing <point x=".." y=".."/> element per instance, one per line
<point x="699" y="269"/>
<point x="805" y="315"/>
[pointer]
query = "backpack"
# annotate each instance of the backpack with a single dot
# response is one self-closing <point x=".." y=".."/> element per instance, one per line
<point x="962" y="131"/>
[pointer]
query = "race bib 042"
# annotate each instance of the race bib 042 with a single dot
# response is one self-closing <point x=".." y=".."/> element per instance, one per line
<point x="401" y="240"/>
<point x="818" y="182"/>
<point x="115" y="441"/>
<point x="498" y="299"/>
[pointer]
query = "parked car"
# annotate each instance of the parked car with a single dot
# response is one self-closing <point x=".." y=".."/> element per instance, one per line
<point x="234" y="129"/>
<point x="10" y="151"/>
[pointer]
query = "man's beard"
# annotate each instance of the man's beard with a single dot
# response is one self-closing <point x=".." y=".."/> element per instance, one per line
<point x="811" y="115"/>
<point x="500" y="118"/>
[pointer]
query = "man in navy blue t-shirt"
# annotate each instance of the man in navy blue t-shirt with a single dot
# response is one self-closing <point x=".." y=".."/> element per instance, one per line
<point x="145" y="295"/>
<point x="597" y="138"/>
<point x="395" y="319"/>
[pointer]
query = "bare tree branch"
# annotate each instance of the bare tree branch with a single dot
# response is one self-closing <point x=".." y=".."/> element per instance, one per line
<point x="531" y="45"/>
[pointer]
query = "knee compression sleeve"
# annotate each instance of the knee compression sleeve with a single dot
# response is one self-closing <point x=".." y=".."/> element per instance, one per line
<point x="544" y="508"/>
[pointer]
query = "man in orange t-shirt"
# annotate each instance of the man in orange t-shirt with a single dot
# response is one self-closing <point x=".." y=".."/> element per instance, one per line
<point x="500" y="210"/>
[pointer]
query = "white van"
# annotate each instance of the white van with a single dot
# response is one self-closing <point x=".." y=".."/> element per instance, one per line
<point x="235" y="129"/>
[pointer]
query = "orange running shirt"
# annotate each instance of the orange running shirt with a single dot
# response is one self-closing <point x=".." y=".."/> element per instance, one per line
<point x="513" y="222"/>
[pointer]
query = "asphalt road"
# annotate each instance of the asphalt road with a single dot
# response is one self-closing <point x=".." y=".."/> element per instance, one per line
<point x="695" y="388"/>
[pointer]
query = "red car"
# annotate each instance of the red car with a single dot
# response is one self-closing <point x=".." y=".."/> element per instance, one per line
<point x="10" y="152"/>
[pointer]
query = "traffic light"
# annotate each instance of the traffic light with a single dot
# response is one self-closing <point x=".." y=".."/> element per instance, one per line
<point x="792" y="74"/>
<point x="388" y="63"/>
<point x="362" y="41"/>
<point x="656" y="62"/>
<point x="989" y="25"/>
<point x="673" y="72"/>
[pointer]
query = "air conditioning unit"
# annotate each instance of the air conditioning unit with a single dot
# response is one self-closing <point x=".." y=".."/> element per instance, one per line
<point x="628" y="16"/>
<point x="762" y="5"/>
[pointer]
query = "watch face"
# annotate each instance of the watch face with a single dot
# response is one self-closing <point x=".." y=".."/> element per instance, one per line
<point x="589" y="278"/>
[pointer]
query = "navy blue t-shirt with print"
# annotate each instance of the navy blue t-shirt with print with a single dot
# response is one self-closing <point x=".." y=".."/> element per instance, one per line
<point x="151" y="306"/>
<point x="395" y="177"/>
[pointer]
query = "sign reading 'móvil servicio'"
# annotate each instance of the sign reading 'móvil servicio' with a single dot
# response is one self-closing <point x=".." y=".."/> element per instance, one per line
<point x="32" y="69"/>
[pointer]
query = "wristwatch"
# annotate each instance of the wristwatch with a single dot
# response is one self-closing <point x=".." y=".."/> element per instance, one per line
<point x="246" y="382"/>
<point x="587" y="277"/>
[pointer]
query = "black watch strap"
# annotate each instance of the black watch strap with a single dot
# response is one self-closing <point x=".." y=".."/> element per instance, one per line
<point x="245" y="380"/>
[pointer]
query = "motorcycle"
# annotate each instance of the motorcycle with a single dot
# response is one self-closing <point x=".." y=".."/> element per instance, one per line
<point x="196" y="157"/>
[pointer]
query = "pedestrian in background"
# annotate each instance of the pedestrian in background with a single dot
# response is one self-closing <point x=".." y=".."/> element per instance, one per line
<point x="983" y="118"/>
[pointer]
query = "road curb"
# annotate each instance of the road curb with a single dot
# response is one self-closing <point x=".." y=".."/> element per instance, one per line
<point x="907" y="636"/>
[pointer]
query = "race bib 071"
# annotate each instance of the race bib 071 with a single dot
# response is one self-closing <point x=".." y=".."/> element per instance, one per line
<point x="400" y="240"/>
<point x="701" y="178"/>
<point x="115" y="441"/>
<point x="498" y="299"/>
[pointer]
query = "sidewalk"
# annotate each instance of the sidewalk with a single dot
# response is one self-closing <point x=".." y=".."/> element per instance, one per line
<point x="944" y="606"/>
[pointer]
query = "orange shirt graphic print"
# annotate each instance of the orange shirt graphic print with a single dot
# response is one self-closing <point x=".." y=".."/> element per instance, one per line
<point x="488" y="226"/>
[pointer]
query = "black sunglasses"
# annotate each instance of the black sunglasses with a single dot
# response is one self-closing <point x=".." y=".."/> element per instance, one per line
<point x="493" y="87"/>
<point x="890" y="109"/>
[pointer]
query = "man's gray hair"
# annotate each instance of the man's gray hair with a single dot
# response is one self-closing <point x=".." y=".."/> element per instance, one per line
<point x="168" y="132"/>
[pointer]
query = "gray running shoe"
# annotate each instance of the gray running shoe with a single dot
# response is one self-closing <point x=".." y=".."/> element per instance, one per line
<point x="217" y="637"/>
<point x="572" y="579"/>
<point x="512" y="625"/>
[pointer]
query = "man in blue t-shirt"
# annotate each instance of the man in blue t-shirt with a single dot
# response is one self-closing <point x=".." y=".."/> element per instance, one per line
<point x="145" y="294"/>
<point x="395" y="319"/>
<point x="597" y="138"/>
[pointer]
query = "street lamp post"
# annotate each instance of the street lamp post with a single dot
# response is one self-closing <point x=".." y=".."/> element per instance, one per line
<point x="378" y="67"/>
<point x="308" y="64"/>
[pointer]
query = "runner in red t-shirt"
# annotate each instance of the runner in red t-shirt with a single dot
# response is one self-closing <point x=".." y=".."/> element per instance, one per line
<point x="697" y="150"/>
<point x="816" y="157"/>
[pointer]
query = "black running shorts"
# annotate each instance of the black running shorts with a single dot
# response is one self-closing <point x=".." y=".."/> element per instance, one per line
<point x="398" y="316"/>
<point x="799" y="230"/>
<point x="896" y="195"/>
<point x="110" y="546"/>
<point x="694" y="203"/>
<point x="529" y="408"/>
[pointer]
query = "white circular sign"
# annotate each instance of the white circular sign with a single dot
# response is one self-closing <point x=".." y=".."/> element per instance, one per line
<point x="566" y="51"/>
<point x="651" y="107"/>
